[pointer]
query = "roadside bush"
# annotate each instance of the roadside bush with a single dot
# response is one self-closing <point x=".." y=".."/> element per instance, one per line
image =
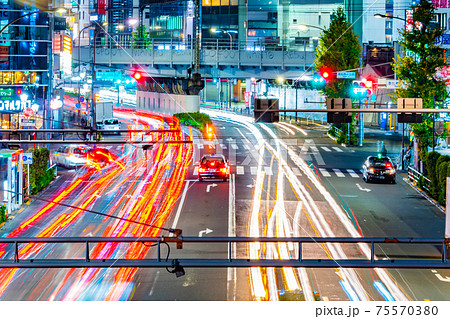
<point x="39" y="175"/>
<point x="442" y="169"/>
<point x="195" y="119"/>
<point x="2" y="213"/>
<point x="332" y="131"/>
<point x="431" y="162"/>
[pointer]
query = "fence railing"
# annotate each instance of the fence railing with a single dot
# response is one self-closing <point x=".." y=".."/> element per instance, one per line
<point x="13" y="258"/>
<point x="126" y="41"/>
<point x="415" y="176"/>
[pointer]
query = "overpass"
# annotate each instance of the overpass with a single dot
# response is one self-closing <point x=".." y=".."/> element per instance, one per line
<point x="218" y="58"/>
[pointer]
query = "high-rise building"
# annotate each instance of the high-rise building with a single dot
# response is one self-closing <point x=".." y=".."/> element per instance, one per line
<point x="24" y="43"/>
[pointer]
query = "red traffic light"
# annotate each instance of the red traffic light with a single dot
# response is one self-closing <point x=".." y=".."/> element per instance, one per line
<point x="368" y="83"/>
<point x="137" y="76"/>
<point x="326" y="73"/>
<point x="18" y="91"/>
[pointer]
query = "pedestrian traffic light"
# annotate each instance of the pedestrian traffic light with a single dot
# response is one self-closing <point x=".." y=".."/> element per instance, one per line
<point x="368" y="84"/>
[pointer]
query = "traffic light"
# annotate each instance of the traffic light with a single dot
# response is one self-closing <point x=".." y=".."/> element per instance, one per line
<point x="339" y="104"/>
<point x="138" y="76"/>
<point x="359" y="90"/>
<point x="327" y="74"/>
<point x="409" y="105"/>
<point x="18" y="91"/>
<point x="368" y="84"/>
<point x="318" y="81"/>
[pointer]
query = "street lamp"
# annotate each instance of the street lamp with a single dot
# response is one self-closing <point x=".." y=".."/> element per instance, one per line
<point x="59" y="10"/>
<point x="305" y="27"/>
<point x="79" y="53"/>
<point x="379" y="15"/>
<point x="215" y="30"/>
<point x="94" y="77"/>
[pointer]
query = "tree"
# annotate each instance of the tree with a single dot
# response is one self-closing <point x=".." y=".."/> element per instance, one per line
<point x="339" y="50"/>
<point x="418" y="69"/>
<point x="140" y="39"/>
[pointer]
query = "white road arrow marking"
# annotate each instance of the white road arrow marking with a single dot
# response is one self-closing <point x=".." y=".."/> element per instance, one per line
<point x="441" y="278"/>
<point x="206" y="232"/>
<point x="208" y="187"/>
<point x="363" y="189"/>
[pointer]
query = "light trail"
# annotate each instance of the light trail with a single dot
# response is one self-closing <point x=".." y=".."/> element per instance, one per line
<point x="147" y="198"/>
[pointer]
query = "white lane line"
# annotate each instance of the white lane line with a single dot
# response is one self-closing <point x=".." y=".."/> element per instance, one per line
<point x="234" y="146"/>
<point x="326" y="149"/>
<point x="223" y="146"/>
<point x="231" y="272"/>
<point x="337" y="149"/>
<point x="314" y="148"/>
<point x="352" y="173"/>
<point x="246" y="146"/>
<point x="240" y="170"/>
<point x="195" y="170"/>
<point x="180" y="206"/>
<point x="154" y="283"/>
<point x="324" y="172"/>
<point x="267" y="170"/>
<point x="338" y="172"/>
<point x="253" y="170"/>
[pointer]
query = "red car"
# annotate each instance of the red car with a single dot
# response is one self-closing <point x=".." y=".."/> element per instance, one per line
<point x="100" y="157"/>
<point x="213" y="166"/>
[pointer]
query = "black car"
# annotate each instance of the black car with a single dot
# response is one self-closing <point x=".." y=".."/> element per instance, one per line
<point x="379" y="168"/>
<point x="213" y="166"/>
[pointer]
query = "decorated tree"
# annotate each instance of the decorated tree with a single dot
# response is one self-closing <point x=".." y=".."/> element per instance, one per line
<point x="141" y="39"/>
<point x="419" y="68"/>
<point x="339" y="50"/>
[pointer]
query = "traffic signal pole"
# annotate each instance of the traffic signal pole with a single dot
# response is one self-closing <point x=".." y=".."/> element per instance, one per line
<point x="361" y="125"/>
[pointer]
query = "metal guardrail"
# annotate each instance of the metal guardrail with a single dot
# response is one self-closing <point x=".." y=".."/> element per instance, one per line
<point x="414" y="175"/>
<point x="300" y="261"/>
<point x="55" y="168"/>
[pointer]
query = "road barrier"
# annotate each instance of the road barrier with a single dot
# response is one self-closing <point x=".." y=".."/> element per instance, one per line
<point x="366" y="244"/>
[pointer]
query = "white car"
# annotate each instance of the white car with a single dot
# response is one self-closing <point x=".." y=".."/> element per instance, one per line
<point x="71" y="156"/>
<point x="109" y="125"/>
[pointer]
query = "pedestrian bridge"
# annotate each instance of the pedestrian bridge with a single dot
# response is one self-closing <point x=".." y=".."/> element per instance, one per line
<point x="169" y="57"/>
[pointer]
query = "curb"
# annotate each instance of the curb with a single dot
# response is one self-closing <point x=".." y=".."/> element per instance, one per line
<point x="421" y="192"/>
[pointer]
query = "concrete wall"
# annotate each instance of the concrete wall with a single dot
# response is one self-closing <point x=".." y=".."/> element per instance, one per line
<point x="167" y="103"/>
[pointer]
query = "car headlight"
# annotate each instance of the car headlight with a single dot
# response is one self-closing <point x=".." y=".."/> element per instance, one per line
<point x="371" y="170"/>
<point x="392" y="171"/>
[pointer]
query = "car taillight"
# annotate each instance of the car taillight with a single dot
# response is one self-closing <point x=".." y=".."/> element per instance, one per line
<point x="223" y="170"/>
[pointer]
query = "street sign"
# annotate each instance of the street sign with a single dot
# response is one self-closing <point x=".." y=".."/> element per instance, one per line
<point x="78" y="105"/>
<point x="27" y="158"/>
<point x="346" y="75"/>
<point x="81" y="99"/>
<point x="391" y="84"/>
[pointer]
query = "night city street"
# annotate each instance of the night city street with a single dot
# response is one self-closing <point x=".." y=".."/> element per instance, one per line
<point x="225" y="151"/>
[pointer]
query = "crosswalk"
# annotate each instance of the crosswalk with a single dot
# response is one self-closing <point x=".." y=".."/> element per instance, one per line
<point x="323" y="172"/>
<point x="247" y="146"/>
